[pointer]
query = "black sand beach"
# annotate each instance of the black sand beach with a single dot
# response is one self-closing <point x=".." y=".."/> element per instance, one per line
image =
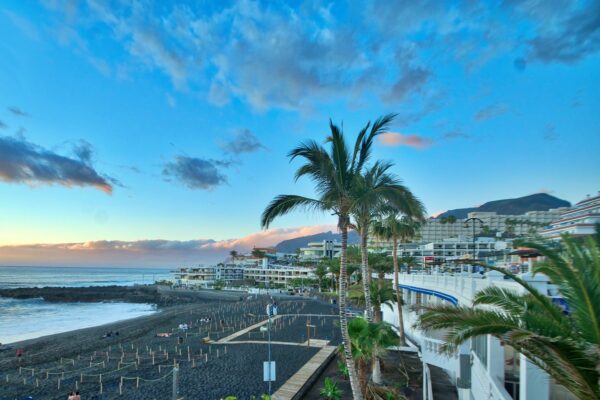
<point x="140" y="365"/>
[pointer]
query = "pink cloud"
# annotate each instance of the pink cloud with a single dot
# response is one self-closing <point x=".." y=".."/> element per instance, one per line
<point x="149" y="253"/>
<point x="399" y="139"/>
<point x="438" y="213"/>
<point x="269" y="237"/>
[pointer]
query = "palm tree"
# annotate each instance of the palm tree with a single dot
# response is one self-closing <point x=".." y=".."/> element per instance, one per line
<point x="233" y="254"/>
<point x="370" y="341"/>
<point x="334" y="173"/>
<point x="382" y="265"/>
<point x="374" y="188"/>
<point x="320" y="272"/>
<point x="394" y="228"/>
<point x="565" y="345"/>
<point x="380" y="296"/>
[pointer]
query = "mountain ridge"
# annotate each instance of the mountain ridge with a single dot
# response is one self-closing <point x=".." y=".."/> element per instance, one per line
<point x="290" y="245"/>
<point x="516" y="206"/>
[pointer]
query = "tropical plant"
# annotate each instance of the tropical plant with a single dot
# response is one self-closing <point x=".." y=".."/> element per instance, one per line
<point x="233" y="254"/>
<point x="380" y="296"/>
<point x="334" y="173"/>
<point x="381" y="264"/>
<point x="330" y="390"/>
<point x="370" y="341"/>
<point x="394" y="228"/>
<point x="257" y="253"/>
<point x="372" y="189"/>
<point x="343" y="369"/>
<point x="564" y="344"/>
<point x="320" y="273"/>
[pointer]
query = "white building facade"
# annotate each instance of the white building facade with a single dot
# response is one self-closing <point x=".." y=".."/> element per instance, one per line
<point x="483" y="368"/>
<point x="238" y="274"/>
<point x="316" y="251"/>
<point x="579" y="220"/>
<point x="436" y="229"/>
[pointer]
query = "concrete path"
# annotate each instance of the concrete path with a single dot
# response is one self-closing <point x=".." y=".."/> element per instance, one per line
<point x="297" y="381"/>
<point x="245" y="330"/>
<point x="313" y="343"/>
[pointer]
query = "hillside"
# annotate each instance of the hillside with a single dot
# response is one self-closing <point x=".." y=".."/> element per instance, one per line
<point x="290" y="245"/>
<point x="518" y="206"/>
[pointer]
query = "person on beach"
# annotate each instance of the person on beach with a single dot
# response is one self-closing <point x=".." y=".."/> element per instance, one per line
<point x="71" y="396"/>
<point x="77" y="396"/>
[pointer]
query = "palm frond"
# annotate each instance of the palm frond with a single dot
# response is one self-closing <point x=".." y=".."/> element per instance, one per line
<point x="286" y="203"/>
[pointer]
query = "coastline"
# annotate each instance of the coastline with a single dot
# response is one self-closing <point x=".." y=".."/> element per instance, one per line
<point x="80" y="351"/>
<point x="158" y="298"/>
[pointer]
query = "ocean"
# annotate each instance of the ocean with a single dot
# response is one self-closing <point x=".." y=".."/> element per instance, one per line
<point x="28" y="319"/>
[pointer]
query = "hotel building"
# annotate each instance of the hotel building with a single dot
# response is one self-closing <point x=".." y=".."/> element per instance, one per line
<point x="579" y="220"/>
<point x="316" y="251"/>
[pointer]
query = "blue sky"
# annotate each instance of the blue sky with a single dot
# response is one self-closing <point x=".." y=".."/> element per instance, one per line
<point x="122" y="123"/>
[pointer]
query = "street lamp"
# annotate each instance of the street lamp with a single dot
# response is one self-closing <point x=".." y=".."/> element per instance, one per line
<point x="473" y="220"/>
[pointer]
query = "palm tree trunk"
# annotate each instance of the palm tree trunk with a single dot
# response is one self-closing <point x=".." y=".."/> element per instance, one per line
<point x="343" y="291"/>
<point x="365" y="271"/>
<point x="376" y="371"/>
<point x="377" y="308"/>
<point x="398" y="295"/>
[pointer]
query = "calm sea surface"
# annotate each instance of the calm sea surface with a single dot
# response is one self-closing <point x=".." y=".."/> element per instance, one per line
<point x="26" y="319"/>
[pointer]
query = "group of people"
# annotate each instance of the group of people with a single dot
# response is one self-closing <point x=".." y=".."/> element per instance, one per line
<point x="183" y="327"/>
<point x="207" y="319"/>
<point x="74" y="396"/>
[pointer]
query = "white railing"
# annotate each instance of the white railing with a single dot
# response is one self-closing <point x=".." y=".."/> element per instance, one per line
<point x="462" y="287"/>
<point x="430" y="351"/>
<point x="427" y="388"/>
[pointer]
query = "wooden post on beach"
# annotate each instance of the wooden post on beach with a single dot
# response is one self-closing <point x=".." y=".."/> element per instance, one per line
<point x="81" y="377"/>
<point x="58" y="383"/>
<point x="137" y="382"/>
<point x="37" y="382"/>
<point x="152" y="358"/>
<point x="121" y="386"/>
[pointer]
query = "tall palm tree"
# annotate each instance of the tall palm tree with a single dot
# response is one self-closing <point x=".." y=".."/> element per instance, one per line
<point x="334" y="173"/>
<point x="564" y="344"/>
<point x="382" y="265"/>
<point x="369" y="343"/>
<point x="374" y="188"/>
<point x="392" y="228"/>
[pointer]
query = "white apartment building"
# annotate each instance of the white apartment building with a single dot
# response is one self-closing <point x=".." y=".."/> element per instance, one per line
<point x="277" y="274"/>
<point x="207" y="276"/>
<point x="436" y="229"/>
<point x="316" y="251"/>
<point x="579" y="220"/>
<point x="232" y="274"/>
<point x="454" y="249"/>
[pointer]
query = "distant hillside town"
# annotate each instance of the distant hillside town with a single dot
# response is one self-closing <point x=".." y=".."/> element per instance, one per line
<point x="444" y="241"/>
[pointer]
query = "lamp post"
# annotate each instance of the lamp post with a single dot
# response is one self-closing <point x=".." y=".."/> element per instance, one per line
<point x="473" y="220"/>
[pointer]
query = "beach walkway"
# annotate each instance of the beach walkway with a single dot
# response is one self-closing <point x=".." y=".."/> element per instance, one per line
<point x="291" y="387"/>
<point x="245" y="330"/>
